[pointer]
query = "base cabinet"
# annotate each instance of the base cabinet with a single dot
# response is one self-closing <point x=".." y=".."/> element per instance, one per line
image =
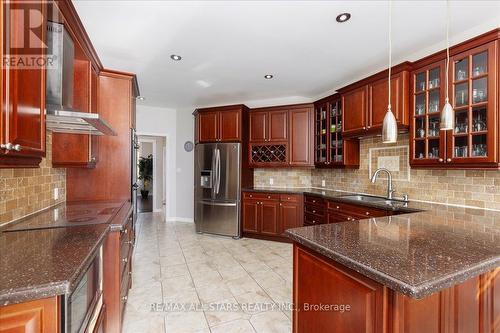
<point x="39" y="316"/>
<point x="363" y="305"/>
<point x="269" y="215"/>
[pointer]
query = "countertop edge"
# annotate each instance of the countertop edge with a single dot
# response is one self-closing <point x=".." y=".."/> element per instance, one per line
<point x="417" y="292"/>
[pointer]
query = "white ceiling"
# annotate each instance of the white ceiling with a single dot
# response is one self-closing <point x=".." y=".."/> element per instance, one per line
<point x="228" y="46"/>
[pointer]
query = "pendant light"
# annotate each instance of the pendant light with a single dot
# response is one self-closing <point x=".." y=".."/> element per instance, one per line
<point x="447" y="114"/>
<point x="390" y="126"/>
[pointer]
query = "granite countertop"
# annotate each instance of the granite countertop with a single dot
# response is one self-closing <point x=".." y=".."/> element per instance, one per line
<point x="37" y="262"/>
<point x="427" y="248"/>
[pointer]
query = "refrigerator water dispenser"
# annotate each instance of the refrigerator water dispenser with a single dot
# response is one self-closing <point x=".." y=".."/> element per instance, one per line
<point x="206" y="179"/>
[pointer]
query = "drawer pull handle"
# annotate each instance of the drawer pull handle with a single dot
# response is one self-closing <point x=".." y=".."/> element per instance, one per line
<point x="125" y="259"/>
<point x="314" y="212"/>
<point x="314" y="201"/>
<point x="125" y="231"/>
<point x="367" y="213"/>
<point x="269" y="197"/>
<point x="337" y="207"/>
<point x="124" y="298"/>
<point x="288" y="198"/>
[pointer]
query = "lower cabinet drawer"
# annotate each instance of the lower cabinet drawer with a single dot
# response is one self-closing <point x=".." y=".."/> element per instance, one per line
<point x="314" y="210"/>
<point x="310" y="219"/>
<point x="261" y="195"/>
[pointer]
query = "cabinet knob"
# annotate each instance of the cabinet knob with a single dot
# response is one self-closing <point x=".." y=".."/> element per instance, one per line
<point x="269" y="197"/>
<point x="124" y="298"/>
<point x="10" y="146"/>
<point x="125" y="231"/>
<point x="92" y="159"/>
<point x="448" y="160"/>
<point x="364" y="127"/>
<point x="367" y="213"/>
<point x="349" y="219"/>
<point x="441" y="160"/>
<point x="338" y="207"/>
<point x="314" y="212"/>
<point x="130" y="242"/>
<point x="251" y="196"/>
<point x="125" y="259"/>
<point x="288" y="198"/>
<point x="314" y="201"/>
<point x="281" y="204"/>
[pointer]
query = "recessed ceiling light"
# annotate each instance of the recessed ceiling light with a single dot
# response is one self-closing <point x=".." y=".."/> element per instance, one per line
<point x="341" y="18"/>
<point x="268" y="76"/>
<point x="141" y="98"/>
<point x="175" y="57"/>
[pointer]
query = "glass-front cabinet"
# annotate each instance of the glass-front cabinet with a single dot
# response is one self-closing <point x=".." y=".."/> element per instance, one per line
<point x="428" y="143"/>
<point x="473" y="92"/>
<point x="473" y="96"/>
<point x="331" y="150"/>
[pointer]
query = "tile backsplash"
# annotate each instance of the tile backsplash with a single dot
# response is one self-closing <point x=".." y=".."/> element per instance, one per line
<point x="477" y="188"/>
<point x="25" y="191"/>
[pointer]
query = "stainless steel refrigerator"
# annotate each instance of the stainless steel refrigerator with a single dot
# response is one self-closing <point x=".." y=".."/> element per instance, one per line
<point x="217" y="188"/>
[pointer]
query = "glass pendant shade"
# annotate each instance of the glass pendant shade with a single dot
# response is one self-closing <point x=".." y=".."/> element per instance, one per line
<point x="447" y="117"/>
<point x="389" y="128"/>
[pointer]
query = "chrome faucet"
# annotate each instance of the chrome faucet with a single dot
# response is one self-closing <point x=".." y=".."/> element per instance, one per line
<point x="390" y="188"/>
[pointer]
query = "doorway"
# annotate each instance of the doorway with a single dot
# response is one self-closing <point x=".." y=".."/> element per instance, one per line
<point x="150" y="197"/>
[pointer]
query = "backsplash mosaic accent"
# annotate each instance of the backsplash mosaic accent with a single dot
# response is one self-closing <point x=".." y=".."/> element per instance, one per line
<point x="25" y="191"/>
<point x="477" y="188"/>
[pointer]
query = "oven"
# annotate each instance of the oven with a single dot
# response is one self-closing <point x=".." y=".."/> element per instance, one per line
<point x="83" y="306"/>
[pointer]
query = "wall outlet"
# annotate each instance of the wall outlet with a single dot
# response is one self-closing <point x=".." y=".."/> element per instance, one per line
<point x="56" y="193"/>
<point x="271" y="181"/>
<point x="323" y="183"/>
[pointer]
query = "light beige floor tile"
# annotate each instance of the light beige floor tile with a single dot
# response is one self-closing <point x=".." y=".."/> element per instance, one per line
<point x="237" y="326"/>
<point x="201" y="279"/>
<point x="185" y="322"/>
<point x="177" y="283"/>
<point x="224" y="311"/>
<point x="143" y="322"/>
<point x="271" y="322"/>
<point x="231" y="273"/>
<point x="214" y="292"/>
<point x="268" y="279"/>
<point x="242" y="285"/>
<point x="255" y="302"/>
<point x="174" y="271"/>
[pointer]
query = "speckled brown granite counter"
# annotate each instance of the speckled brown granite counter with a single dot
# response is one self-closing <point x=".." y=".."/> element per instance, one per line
<point x="37" y="263"/>
<point x="428" y="248"/>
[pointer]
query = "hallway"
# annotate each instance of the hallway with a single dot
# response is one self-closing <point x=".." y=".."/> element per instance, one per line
<point x="185" y="282"/>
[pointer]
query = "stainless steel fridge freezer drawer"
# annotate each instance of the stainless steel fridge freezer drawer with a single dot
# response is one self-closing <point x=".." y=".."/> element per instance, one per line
<point x="219" y="218"/>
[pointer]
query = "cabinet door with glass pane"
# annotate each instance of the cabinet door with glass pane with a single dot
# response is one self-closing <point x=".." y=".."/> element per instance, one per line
<point x="473" y="91"/>
<point x="321" y="157"/>
<point x="427" y="142"/>
<point x="335" y="128"/>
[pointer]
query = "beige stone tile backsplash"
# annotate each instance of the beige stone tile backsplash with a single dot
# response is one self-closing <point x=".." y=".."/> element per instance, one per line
<point x="476" y="188"/>
<point x="24" y="191"/>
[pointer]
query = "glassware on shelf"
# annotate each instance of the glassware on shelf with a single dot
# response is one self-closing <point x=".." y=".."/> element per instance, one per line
<point x="479" y="122"/>
<point x="433" y="107"/>
<point x="420" y="109"/>
<point x="461" y="128"/>
<point x="420" y="133"/>
<point x="461" y="151"/>
<point x="461" y="94"/>
<point x="479" y="90"/>
<point x="434" y="127"/>
<point x="433" y="83"/>
<point x="323" y="131"/>
<point x="461" y="69"/>
<point x="478" y="95"/>
<point x="334" y="112"/>
<point x="479" y="63"/>
<point x="479" y="149"/>
<point x="434" y="152"/>
<point x="333" y="128"/>
<point x="420" y="82"/>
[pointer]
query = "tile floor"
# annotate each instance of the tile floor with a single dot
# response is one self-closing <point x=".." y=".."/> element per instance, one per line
<point x="189" y="283"/>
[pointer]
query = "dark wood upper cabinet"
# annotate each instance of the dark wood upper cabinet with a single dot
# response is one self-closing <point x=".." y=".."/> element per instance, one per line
<point x="220" y="124"/>
<point x="79" y="150"/>
<point x="330" y="147"/>
<point x="258" y="126"/>
<point x="355" y="105"/>
<point x="281" y="136"/>
<point x="365" y="102"/>
<point x="22" y="115"/>
<point x="378" y="92"/>
<point x="300" y="147"/>
<point x="473" y="91"/>
<point x="208" y="126"/>
<point x="278" y="126"/>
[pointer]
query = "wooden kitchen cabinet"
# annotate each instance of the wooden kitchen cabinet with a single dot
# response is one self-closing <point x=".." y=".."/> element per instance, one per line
<point x="317" y="281"/>
<point x="473" y="90"/>
<point x="40" y="316"/>
<point x="365" y="102"/>
<point x="79" y="150"/>
<point x="269" y="214"/>
<point x="331" y="149"/>
<point x="220" y="124"/>
<point x="22" y="115"/>
<point x="281" y="136"/>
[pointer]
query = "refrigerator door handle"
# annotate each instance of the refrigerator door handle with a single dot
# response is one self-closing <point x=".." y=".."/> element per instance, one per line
<point x="214" y="176"/>
<point x="218" y="171"/>
<point x="224" y="204"/>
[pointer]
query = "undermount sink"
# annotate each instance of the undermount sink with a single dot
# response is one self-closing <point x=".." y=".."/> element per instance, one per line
<point x="369" y="198"/>
<point x="366" y="198"/>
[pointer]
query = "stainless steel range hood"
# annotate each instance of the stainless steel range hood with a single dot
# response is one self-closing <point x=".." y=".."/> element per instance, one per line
<point x="60" y="116"/>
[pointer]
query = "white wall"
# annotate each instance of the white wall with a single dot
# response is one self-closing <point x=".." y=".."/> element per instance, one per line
<point x="177" y="127"/>
<point x="185" y="164"/>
